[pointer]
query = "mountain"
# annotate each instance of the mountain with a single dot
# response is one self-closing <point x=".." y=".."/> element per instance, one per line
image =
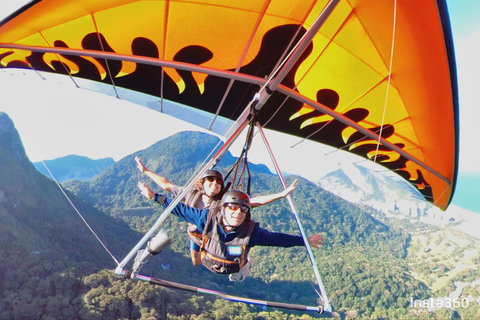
<point x="73" y="167"/>
<point x="51" y="265"/>
<point x="386" y="193"/>
<point x="115" y="189"/>
<point x="50" y="261"/>
<point x="15" y="171"/>
<point x="276" y="272"/>
<point x="36" y="211"/>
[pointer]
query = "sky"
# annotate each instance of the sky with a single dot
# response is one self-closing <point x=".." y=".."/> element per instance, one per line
<point x="54" y="121"/>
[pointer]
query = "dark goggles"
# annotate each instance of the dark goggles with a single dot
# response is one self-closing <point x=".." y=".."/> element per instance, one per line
<point x="211" y="179"/>
<point x="234" y="207"/>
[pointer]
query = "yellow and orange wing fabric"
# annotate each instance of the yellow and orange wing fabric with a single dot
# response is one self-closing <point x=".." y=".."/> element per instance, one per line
<point x="376" y="68"/>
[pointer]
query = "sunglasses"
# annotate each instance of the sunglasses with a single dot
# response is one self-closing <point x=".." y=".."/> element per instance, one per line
<point x="211" y="179"/>
<point x="234" y="207"/>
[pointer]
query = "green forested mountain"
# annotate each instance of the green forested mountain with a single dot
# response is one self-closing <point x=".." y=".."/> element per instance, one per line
<point x="362" y="260"/>
<point x="40" y="216"/>
<point x="46" y="251"/>
<point x="52" y="266"/>
<point x="115" y="189"/>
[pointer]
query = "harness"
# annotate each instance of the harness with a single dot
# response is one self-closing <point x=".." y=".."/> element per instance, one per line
<point x="192" y="197"/>
<point x="191" y="200"/>
<point x="224" y="257"/>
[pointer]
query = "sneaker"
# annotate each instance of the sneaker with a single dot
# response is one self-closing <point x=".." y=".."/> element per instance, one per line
<point x="140" y="259"/>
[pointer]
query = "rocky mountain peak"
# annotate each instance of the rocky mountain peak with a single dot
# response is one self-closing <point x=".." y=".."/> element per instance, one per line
<point x="388" y="194"/>
<point x="10" y="142"/>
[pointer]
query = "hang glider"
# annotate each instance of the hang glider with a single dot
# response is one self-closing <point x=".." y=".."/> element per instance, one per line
<point x="372" y="77"/>
<point x="376" y="79"/>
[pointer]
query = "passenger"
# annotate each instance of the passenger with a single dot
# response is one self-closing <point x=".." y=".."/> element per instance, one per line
<point x="207" y="192"/>
<point x="228" y="233"/>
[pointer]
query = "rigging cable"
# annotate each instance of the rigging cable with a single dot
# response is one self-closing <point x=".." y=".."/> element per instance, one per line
<point x="383" y="115"/>
<point x="389" y="78"/>
<point x="386" y="93"/>
<point x="78" y="212"/>
<point x="242" y="161"/>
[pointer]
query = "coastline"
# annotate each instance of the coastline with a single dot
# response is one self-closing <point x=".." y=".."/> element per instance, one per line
<point x="466" y="221"/>
<point x="461" y="219"/>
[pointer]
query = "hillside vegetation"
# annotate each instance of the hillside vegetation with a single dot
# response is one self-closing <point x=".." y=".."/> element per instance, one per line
<point x="52" y="266"/>
<point x="362" y="260"/>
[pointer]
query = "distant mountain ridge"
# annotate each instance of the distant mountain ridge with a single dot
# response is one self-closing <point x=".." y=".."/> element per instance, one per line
<point x="175" y="157"/>
<point x="34" y="210"/>
<point x="73" y="167"/>
<point x="363" y="186"/>
<point x="358" y="184"/>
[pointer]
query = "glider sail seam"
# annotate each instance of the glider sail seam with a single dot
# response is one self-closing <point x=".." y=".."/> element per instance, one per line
<point x="240" y="61"/>
<point x="107" y="66"/>
<point x="302" y="45"/>
<point x="59" y="57"/>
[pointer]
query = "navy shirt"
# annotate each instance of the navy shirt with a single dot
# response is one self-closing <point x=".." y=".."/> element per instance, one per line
<point x="259" y="237"/>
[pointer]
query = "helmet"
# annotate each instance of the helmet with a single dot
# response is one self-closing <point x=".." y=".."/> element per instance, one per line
<point x="212" y="173"/>
<point x="236" y="196"/>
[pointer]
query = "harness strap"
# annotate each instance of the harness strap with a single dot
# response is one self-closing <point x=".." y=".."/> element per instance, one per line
<point x="242" y="259"/>
<point x="242" y="163"/>
<point x="222" y="260"/>
<point x="192" y="197"/>
<point x="205" y="253"/>
<point x="195" y="235"/>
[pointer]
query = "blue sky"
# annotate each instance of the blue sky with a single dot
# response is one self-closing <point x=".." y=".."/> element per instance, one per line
<point x="53" y="122"/>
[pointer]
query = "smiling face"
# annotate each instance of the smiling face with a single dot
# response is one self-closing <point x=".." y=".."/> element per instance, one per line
<point x="212" y="186"/>
<point x="234" y="215"/>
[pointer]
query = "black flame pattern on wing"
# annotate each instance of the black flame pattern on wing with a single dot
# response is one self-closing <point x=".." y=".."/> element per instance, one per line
<point x="148" y="79"/>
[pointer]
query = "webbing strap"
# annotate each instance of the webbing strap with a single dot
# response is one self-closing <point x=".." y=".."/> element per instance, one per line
<point x="237" y="179"/>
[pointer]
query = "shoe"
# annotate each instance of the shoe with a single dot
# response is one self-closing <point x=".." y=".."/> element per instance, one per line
<point x="140" y="259"/>
<point x="154" y="247"/>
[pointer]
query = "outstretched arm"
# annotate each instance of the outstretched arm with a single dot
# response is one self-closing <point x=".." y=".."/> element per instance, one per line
<point x="146" y="191"/>
<point x="261" y="200"/>
<point x="159" y="180"/>
<point x="189" y="214"/>
<point x="315" y="241"/>
<point x="277" y="239"/>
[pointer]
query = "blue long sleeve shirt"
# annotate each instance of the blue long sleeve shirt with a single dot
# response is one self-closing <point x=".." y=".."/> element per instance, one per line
<point x="259" y="237"/>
